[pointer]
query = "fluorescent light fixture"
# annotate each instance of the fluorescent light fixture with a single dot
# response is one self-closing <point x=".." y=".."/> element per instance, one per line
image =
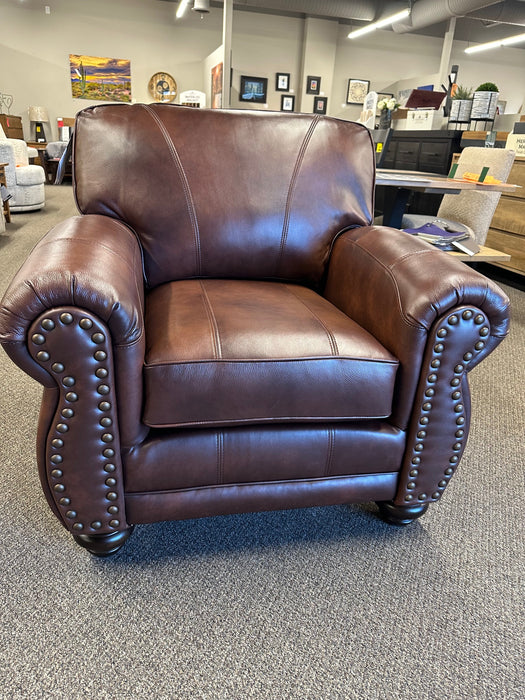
<point x="380" y="23"/>
<point x="181" y="9"/>
<point x="508" y="41"/>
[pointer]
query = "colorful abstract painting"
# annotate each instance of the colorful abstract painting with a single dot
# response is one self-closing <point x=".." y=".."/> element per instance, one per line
<point x="96" y="78"/>
<point x="216" y="86"/>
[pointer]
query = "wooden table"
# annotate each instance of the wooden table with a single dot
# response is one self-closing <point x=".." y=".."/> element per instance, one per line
<point x="406" y="181"/>
<point x="485" y="254"/>
<point x="7" y="210"/>
<point x="41" y="148"/>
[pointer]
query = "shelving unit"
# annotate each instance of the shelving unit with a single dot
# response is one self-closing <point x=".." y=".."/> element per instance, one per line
<point x="470" y="122"/>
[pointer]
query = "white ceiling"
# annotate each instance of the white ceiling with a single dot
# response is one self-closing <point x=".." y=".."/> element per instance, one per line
<point x="493" y="20"/>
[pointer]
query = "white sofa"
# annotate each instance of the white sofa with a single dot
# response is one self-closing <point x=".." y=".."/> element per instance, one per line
<point x="24" y="182"/>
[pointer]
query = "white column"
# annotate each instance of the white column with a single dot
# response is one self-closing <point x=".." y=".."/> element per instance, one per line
<point x="444" y="67"/>
<point x="227" y="21"/>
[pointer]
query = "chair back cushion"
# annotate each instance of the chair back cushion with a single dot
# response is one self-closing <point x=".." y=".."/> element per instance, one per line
<point x="473" y="208"/>
<point x="224" y="193"/>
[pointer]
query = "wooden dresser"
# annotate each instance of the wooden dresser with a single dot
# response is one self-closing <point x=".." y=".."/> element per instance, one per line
<point x="12" y="126"/>
<point x="507" y="231"/>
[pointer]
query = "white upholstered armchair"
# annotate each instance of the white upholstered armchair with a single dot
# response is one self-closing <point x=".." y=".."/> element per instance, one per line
<point x="24" y="182"/>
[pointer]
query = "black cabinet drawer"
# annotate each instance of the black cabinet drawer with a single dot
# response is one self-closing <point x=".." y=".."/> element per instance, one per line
<point x="434" y="156"/>
<point x="407" y="154"/>
<point x="390" y="158"/>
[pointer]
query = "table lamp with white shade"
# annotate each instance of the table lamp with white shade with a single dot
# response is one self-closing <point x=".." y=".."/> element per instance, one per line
<point x="39" y="115"/>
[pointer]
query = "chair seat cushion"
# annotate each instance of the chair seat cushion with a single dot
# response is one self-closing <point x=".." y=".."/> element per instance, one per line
<point x="224" y="352"/>
<point x="30" y="175"/>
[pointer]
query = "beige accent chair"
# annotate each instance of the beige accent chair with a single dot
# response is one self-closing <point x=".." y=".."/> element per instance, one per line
<point x="472" y="209"/>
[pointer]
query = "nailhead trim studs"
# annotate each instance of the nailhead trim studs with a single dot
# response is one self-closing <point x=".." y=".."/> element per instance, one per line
<point x="58" y="474"/>
<point x="433" y="378"/>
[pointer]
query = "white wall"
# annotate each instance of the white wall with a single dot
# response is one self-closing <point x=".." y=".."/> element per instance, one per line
<point x="504" y="66"/>
<point x="383" y="58"/>
<point x="263" y="45"/>
<point x="35" y="48"/>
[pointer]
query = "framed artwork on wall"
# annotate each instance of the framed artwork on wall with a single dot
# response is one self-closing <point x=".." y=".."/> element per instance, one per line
<point x="216" y="86"/>
<point x="162" y="87"/>
<point x="320" y="105"/>
<point x="313" y="85"/>
<point x="97" y="78"/>
<point x="253" y="89"/>
<point x="357" y="91"/>
<point x="282" y="82"/>
<point x="287" y="103"/>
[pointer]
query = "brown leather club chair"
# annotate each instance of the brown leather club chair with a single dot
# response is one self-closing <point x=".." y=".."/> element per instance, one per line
<point x="221" y="330"/>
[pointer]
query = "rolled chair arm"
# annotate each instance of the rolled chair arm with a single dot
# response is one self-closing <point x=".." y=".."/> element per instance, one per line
<point x="397" y="287"/>
<point x="73" y="319"/>
<point x="440" y="318"/>
<point x="90" y="262"/>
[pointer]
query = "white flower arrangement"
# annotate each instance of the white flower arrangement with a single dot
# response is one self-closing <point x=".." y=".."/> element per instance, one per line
<point x="390" y="104"/>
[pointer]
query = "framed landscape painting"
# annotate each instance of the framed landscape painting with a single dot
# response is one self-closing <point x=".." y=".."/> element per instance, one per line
<point x="97" y="78"/>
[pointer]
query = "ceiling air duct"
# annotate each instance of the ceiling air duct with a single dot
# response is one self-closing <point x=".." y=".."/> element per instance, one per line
<point x="364" y="10"/>
<point x="428" y="12"/>
<point x="504" y="13"/>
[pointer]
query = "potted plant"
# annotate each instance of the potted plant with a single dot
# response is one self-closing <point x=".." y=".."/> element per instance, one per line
<point x="461" y="105"/>
<point x="485" y="101"/>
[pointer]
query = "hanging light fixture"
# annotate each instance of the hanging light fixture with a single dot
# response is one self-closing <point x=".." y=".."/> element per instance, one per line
<point x="380" y="23"/>
<point x="508" y="41"/>
<point x="202" y="6"/>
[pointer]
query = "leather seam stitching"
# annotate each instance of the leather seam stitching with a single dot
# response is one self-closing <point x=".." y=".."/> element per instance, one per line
<point x="330" y="453"/>
<point x="250" y="484"/>
<point x="292" y="186"/>
<point x="226" y="361"/>
<point x="214" y="328"/>
<point x="331" y="338"/>
<point x="185" y="186"/>
<point x="220" y="457"/>
<point x="389" y="270"/>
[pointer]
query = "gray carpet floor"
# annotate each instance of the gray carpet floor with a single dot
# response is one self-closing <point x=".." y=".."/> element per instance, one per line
<point x="322" y="603"/>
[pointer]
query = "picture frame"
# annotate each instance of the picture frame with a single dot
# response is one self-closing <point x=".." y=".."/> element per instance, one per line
<point x="100" y="78"/>
<point x="313" y="84"/>
<point x="357" y="91"/>
<point x="287" y="103"/>
<point x="320" y="104"/>
<point x="216" y="86"/>
<point x="253" y="89"/>
<point x="282" y="82"/>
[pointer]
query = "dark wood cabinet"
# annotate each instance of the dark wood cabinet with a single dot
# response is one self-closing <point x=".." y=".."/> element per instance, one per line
<point x="507" y="230"/>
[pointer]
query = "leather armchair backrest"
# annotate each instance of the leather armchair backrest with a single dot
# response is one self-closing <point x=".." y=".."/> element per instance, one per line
<point x="225" y="193"/>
